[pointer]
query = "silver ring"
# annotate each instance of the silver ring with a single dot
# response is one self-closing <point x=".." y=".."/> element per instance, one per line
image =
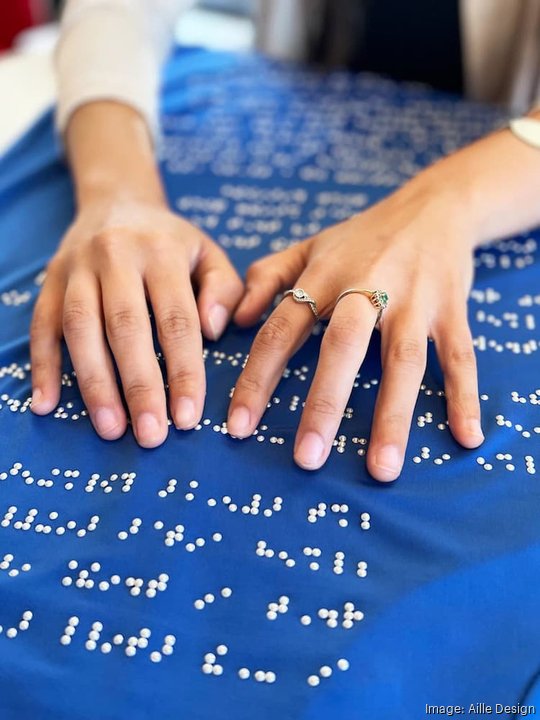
<point x="301" y="296"/>
<point x="378" y="298"/>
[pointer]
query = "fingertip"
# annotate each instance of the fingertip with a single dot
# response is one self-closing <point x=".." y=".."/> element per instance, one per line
<point x="43" y="403"/>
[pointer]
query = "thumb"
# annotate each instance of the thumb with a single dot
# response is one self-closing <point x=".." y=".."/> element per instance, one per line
<point x="267" y="277"/>
<point x="220" y="289"/>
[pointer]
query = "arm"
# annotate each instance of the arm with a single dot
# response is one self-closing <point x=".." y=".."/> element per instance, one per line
<point x="124" y="248"/>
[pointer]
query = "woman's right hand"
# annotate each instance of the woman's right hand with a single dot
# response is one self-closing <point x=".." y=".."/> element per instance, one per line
<point x="114" y="258"/>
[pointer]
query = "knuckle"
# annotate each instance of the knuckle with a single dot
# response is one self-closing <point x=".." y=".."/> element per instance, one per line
<point x="408" y="352"/>
<point x="91" y="386"/>
<point x="249" y="384"/>
<point x="276" y="333"/>
<point x="76" y="319"/>
<point x="137" y="391"/>
<point x="122" y="323"/>
<point x="343" y="332"/>
<point x="322" y="405"/>
<point x="184" y="377"/>
<point x="462" y="356"/>
<point x="106" y="241"/>
<point x="174" y="325"/>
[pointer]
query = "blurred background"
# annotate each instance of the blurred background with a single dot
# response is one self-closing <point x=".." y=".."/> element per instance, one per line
<point x="29" y="29"/>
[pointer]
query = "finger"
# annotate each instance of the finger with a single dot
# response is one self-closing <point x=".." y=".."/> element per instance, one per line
<point x="130" y="337"/>
<point x="455" y="351"/>
<point x="343" y="349"/>
<point x="267" y="277"/>
<point x="282" y="334"/>
<point x="45" y="348"/>
<point x="83" y="331"/>
<point x="179" y="334"/>
<point x="404" y="357"/>
<point x="220" y="290"/>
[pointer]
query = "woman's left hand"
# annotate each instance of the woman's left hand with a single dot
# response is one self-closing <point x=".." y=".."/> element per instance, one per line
<point x="418" y="247"/>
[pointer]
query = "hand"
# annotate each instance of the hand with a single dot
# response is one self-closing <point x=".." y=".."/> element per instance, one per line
<point x="111" y="261"/>
<point x="418" y="248"/>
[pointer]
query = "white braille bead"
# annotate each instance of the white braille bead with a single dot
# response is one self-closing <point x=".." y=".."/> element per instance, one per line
<point x="305" y="620"/>
<point x="271" y="615"/>
<point x="169" y="640"/>
<point x="243" y="673"/>
<point x="155" y="656"/>
<point x="66" y="581"/>
<point x="131" y="651"/>
<point x="343" y="664"/>
<point x="65" y="640"/>
<point x="199" y="604"/>
<point x="90" y="645"/>
<point x="323" y="613"/>
<point x="270" y="677"/>
<point x="313" y="680"/>
<point x="226" y="592"/>
<point x="207" y="668"/>
<point x="118" y="639"/>
<point x="167" y="650"/>
<point x="106" y="648"/>
<point x="217" y="670"/>
<point x="24" y="625"/>
<point x="209" y="598"/>
<point x="222" y="649"/>
<point x="325" y="671"/>
<point x="73" y="564"/>
<point x="332" y="623"/>
<point x="210" y="658"/>
<point x="259" y="675"/>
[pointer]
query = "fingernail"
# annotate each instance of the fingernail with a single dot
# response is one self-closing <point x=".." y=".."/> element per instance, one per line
<point x="310" y="450"/>
<point x="388" y="458"/>
<point x="148" y="428"/>
<point x="239" y="422"/>
<point x="184" y="416"/>
<point x="105" y="420"/>
<point x="217" y="319"/>
<point x="474" y="427"/>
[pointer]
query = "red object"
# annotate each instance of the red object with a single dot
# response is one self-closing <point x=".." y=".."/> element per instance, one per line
<point x="18" y="15"/>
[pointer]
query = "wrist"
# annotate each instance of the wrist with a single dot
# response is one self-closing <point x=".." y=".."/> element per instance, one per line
<point x="112" y="156"/>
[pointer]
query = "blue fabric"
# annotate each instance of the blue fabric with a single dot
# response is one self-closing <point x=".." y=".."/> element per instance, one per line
<point x="259" y="154"/>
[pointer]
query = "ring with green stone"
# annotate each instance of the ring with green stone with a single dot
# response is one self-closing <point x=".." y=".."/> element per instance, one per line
<point x="378" y="298"/>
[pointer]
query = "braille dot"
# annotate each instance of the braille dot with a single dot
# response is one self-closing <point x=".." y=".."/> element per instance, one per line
<point x="155" y="656"/>
<point x="325" y="671"/>
<point x="217" y="670"/>
<point x="226" y="592"/>
<point x="305" y="620"/>
<point x="343" y="664"/>
<point x="313" y="680"/>
<point x="243" y="673"/>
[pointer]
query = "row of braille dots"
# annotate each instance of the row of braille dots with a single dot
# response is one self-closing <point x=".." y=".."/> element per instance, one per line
<point x="505" y="457"/>
<point x="135" y="585"/>
<point x="107" y="484"/>
<point x="177" y="535"/>
<point x="262" y="550"/>
<point x="16" y="405"/>
<point x="136" y="523"/>
<point x="502" y="421"/>
<point x="14" y="370"/>
<point x="12" y="571"/>
<point x="511" y="318"/>
<point x="314" y="513"/>
<point x="274" y="439"/>
<point x="23" y="625"/>
<point x="267" y="676"/>
<point x="425" y="454"/>
<point x="209" y="598"/>
<point x="349" y="616"/>
<point x="17" y="468"/>
<point x="46" y="528"/>
<point x="281" y="606"/>
<point x="427" y="418"/>
<point x="210" y="665"/>
<point x="131" y="645"/>
<point x="253" y="508"/>
<point x="534" y="398"/>
<point x="234" y="360"/>
<point x="64" y="413"/>
<point x="171" y="488"/>
<point x="516" y="347"/>
<point x="325" y="671"/>
<point x="491" y="260"/>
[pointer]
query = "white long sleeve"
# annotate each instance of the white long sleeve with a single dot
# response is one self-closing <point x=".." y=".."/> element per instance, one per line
<point x="113" y="49"/>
